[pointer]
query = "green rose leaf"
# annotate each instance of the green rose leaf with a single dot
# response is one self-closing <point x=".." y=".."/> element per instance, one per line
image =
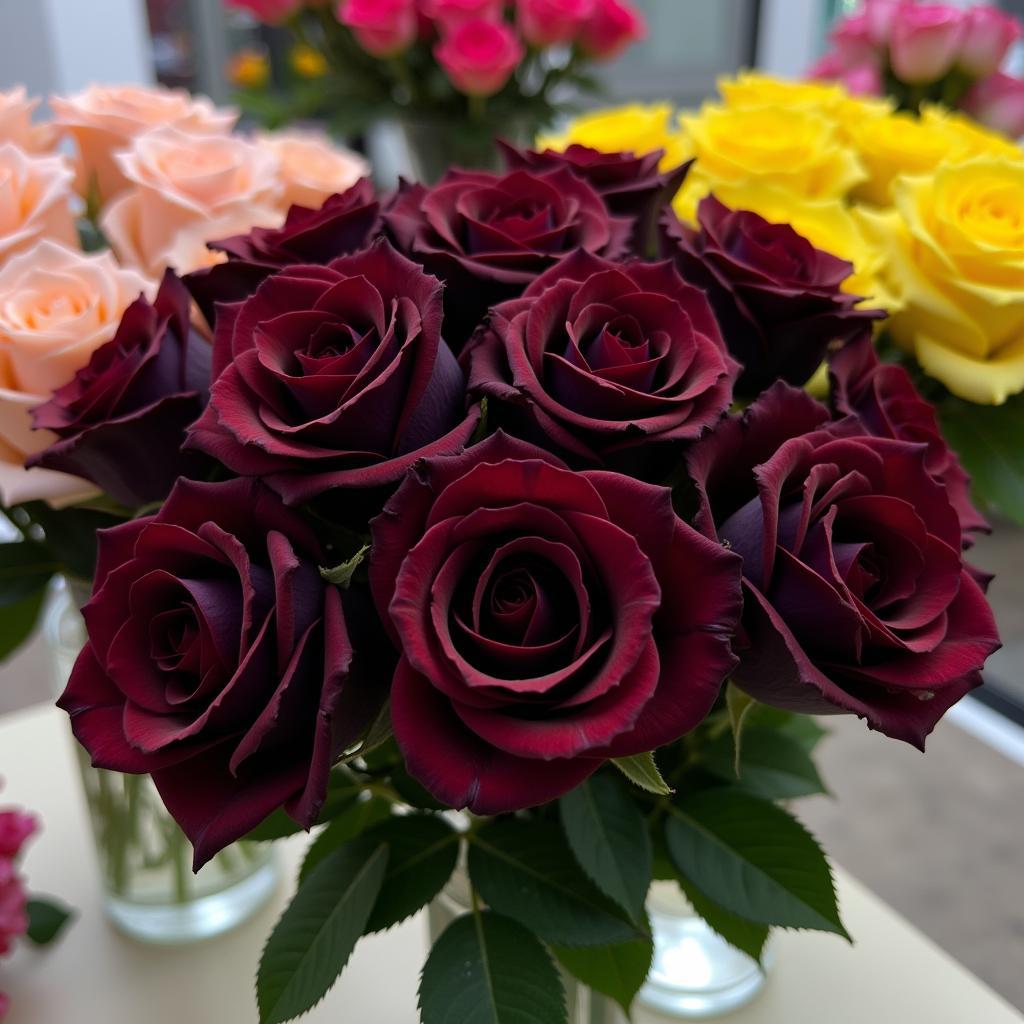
<point x="769" y="764"/>
<point x="46" y="920"/>
<point x="748" y="936"/>
<point x="316" y="934"/>
<point x="341" y="794"/>
<point x="752" y="859"/>
<point x="25" y="569"/>
<point x="18" y="620"/>
<point x="526" y="871"/>
<point x="641" y="770"/>
<point x="350" y="824"/>
<point x="609" y="838"/>
<point x="487" y="969"/>
<point x="615" y="971"/>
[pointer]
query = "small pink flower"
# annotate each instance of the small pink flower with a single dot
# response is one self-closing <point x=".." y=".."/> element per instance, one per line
<point x="480" y="56"/>
<point x="853" y="41"/>
<point x="382" y="27"/>
<point x="551" y="22"/>
<point x="452" y="14"/>
<point x="865" y="80"/>
<point x="998" y="102"/>
<point x="880" y="16"/>
<point x="827" y="68"/>
<point x="13" y="919"/>
<point x="613" y="27"/>
<point x="988" y="34"/>
<point x="925" y="42"/>
<point x="15" y="828"/>
<point x="272" y="12"/>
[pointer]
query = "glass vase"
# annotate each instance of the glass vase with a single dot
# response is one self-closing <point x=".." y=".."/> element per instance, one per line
<point x="150" y="890"/>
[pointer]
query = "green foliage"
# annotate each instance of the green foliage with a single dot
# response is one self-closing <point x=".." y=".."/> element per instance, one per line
<point x="609" y="838"/>
<point x="753" y="859"/>
<point x="341" y="575"/>
<point x="749" y="936"/>
<point x="769" y="764"/>
<point x="46" y="920"/>
<point x="642" y="771"/>
<point x="342" y="791"/>
<point x="316" y="934"/>
<point x="25" y="569"/>
<point x="352" y="822"/>
<point x="738" y="705"/>
<point x="615" y="971"/>
<point x="487" y="969"/>
<point x="19" y="620"/>
<point x="525" y="870"/>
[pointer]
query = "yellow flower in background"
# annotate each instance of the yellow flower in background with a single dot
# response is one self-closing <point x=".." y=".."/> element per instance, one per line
<point x="307" y="62"/>
<point x="974" y="138"/>
<point x="793" y="149"/>
<point x="249" y="69"/>
<point x="955" y="260"/>
<point x="637" y="127"/>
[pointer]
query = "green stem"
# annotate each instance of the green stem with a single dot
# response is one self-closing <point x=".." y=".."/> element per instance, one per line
<point x="179" y="849"/>
<point x="478" y="108"/>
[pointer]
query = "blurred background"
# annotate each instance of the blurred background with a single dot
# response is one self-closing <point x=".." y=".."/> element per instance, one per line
<point x="938" y="837"/>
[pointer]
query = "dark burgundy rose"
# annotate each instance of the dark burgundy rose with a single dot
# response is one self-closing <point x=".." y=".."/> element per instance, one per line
<point x="778" y="299"/>
<point x="630" y="183"/>
<point x="121" y="420"/>
<point x="548" y="620"/>
<point x="884" y="397"/>
<point x="856" y="598"/>
<point x="487" y="236"/>
<point x="221" y="663"/>
<point x="603" y="360"/>
<point x="334" y="376"/>
<point x="344" y="224"/>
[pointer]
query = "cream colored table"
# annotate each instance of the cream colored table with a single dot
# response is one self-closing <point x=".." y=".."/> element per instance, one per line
<point x="94" y="976"/>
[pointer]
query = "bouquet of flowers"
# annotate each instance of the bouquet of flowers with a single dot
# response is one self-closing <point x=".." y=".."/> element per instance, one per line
<point x="505" y="496"/>
<point x="938" y="53"/>
<point x="455" y="73"/>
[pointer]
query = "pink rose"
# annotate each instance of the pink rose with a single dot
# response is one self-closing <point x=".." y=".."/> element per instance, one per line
<point x="925" y="42"/>
<point x="272" y="12"/>
<point x="56" y="308"/>
<point x="451" y="14"/>
<point x="16" y="122"/>
<point x="105" y="119"/>
<point x="551" y="22"/>
<point x="828" y="67"/>
<point x="865" y="80"/>
<point x="987" y="36"/>
<point x="880" y="16"/>
<point x="180" y="179"/>
<point x="480" y="56"/>
<point x="382" y="27"/>
<point x="612" y="28"/>
<point x="35" y="200"/>
<point x="13" y="917"/>
<point x="998" y="102"/>
<point x="15" y="828"/>
<point x="854" y="41"/>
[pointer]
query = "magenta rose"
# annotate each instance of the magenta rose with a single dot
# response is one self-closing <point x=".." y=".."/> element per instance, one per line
<point x="548" y="620"/>
<point x="856" y="598"/>
<point x="384" y="28"/>
<point x="221" y="663"/>
<point x="604" y="362"/>
<point x="344" y="223"/>
<point x="487" y="236"/>
<point x="614" y="25"/>
<point x="480" y="56"/>
<point x="553" y="22"/>
<point x="334" y="377"/>
<point x="121" y="420"/>
<point x="630" y="184"/>
<point x="778" y="300"/>
<point x="883" y="396"/>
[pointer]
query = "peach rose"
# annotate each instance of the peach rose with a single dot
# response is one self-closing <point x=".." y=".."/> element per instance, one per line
<point x="35" y="200"/>
<point x="16" y="122"/>
<point x="312" y="168"/>
<point x="180" y="179"/>
<point x="188" y="251"/>
<point x="105" y="119"/>
<point x="56" y="307"/>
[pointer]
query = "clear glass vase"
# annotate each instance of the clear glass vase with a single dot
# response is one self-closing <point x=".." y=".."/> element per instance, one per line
<point x="150" y="890"/>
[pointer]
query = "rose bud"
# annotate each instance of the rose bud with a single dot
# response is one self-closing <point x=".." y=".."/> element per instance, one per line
<point x="856" y="597"/>
<point x="383" y="28"/>
<point x="120" y="422"/>
<point x="613" y="26"/>
<point x="925" y="42"/>
<point x="334" y="376"/>
<point x="988" y="36"/>
<point x="271" y="12"/>
<point x="480" y="56"/>
<point x="883" y="397"/>
<point x="630" y="184"/>
<point x="344" y="223"/>
<point x="864" y="80"/>
<point x="220" y="662"/>
<point x="452" y="14"/>
<point x="548" y="620"/>
<point x="998" y="102"/>
<point x="778" y="300"/>
<point x="552" y="22"/>
<point x="487" y="236"/>
<point x="606" y="363"/>
<point x="854" y="41"/>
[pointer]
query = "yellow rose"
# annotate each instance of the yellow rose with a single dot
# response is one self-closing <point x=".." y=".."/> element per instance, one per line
<point x="955" y="259"/>
<point x="793" y="149"/>
<point x="828" y="224"/>
<point x="635" y="127"/>
<point x="973" y="138"/>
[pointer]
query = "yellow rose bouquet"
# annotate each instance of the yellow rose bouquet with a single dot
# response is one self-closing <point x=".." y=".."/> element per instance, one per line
<point x="926" y="208"/>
